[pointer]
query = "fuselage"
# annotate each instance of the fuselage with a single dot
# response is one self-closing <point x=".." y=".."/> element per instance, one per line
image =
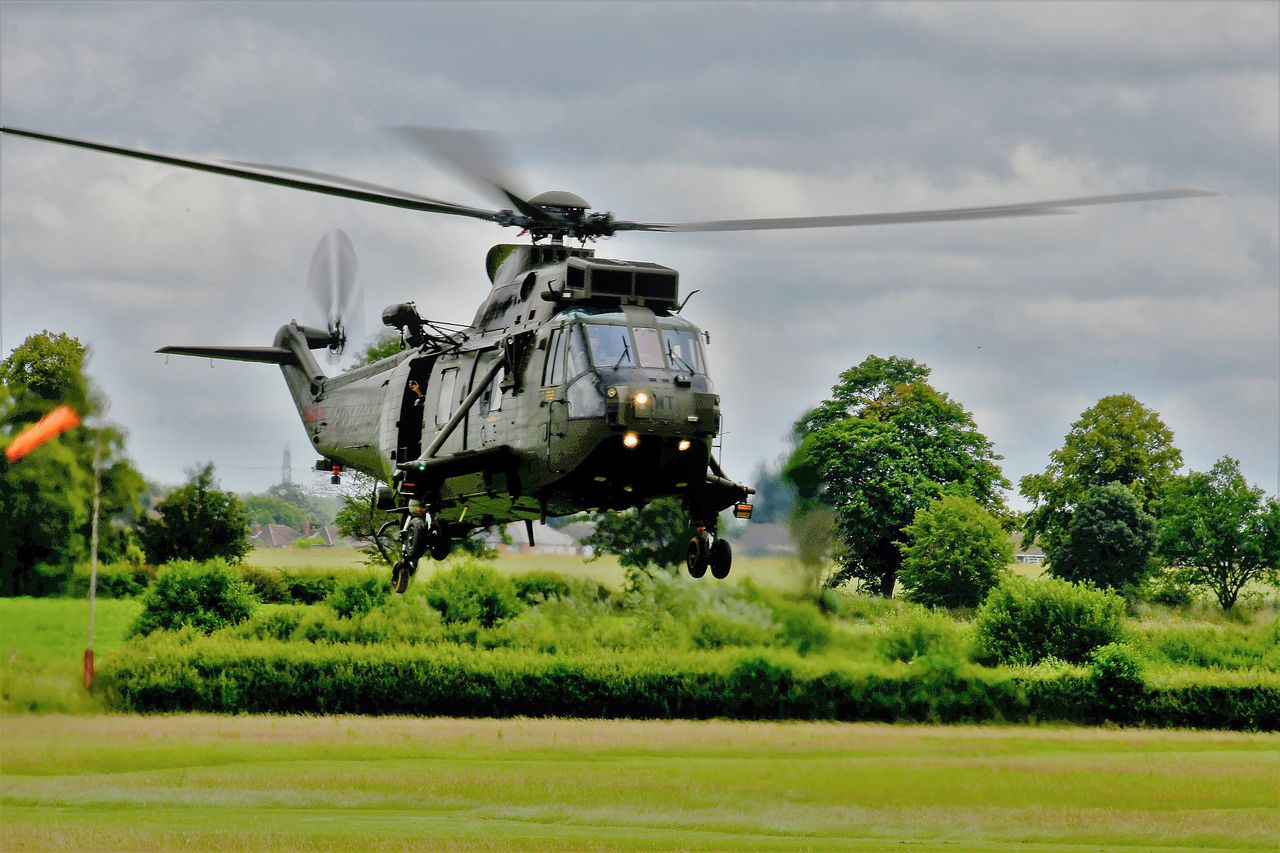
<point x="577" y="386"/>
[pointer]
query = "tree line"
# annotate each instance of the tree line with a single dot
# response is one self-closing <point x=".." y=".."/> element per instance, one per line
<point x="890" y="484"/>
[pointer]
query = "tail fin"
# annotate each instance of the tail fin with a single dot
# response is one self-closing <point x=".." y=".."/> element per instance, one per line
<point x="292" y="351"/>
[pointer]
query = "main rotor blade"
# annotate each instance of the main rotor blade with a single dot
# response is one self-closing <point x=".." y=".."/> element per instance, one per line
<point x="477" y="155"/>
<point x="999" y="211"/>
<point x="382" y="196"/>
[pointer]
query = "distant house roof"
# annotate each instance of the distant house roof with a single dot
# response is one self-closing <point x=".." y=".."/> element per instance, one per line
<point x="273" y="536"/>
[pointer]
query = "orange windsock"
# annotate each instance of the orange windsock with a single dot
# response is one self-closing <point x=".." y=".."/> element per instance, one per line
<point x="50" y="426"/>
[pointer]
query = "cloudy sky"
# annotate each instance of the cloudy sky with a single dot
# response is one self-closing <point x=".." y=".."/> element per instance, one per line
<point x="664" y="112"/>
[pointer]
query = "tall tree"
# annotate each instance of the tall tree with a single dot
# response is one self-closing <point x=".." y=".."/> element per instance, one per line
<point x="884" y="445"/>
<point x="1116" y="440"/>
<point x="1222" y="532"/>
<point x="1108" y="541"/>
<point x="46" y="497"/>
<point x="196" y="521"/>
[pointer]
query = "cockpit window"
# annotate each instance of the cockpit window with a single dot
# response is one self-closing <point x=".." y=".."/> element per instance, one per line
<point x="683" y="350"/>
<point x="577" y="355"/>
<point x="648" y="347"/>
<point x="610" y="346"/>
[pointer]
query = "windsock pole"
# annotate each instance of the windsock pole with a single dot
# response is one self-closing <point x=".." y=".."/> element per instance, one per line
<point x="93" y="562"/>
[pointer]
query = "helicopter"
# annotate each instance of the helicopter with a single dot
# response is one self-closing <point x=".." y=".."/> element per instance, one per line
<point x="578" y="385"/>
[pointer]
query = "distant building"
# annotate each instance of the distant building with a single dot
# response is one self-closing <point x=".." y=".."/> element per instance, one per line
<point x="1032" y="555"/>
<point x="546" y="540"/>
<point x="272" y="536"/>
<point x="282" y="536"/>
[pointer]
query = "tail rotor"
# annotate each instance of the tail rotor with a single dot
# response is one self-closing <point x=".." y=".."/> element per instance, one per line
<point x="336" y="289"/>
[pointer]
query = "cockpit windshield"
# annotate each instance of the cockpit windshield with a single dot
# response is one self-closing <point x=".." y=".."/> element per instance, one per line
<point x="683" y="350"/>
<point x="615" y="345"/>
<point x="610" y="345"/>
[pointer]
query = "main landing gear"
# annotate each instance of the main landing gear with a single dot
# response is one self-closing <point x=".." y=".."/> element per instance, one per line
<point x="419" y="536"/>
<point x="709" y="551"/>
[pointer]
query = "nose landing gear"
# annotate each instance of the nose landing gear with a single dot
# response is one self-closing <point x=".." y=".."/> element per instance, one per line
<point x="708" y="551"/>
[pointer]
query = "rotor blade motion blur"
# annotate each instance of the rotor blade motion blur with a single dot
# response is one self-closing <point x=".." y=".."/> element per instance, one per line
<point x="334" y="286"/>
<point x="477" y="155"/>
<point x="352" y="191"/>
<point x="999" y="211"/>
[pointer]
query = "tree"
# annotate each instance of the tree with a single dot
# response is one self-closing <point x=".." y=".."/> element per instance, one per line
<point x="1220" y="531"/>
<point x="1108" y="541"/>
<point x="269" y="509"/>
<point x="46" y="497"/>
<point x="197" y="521"/>
<point x="955" y="553"/>
<point x="657" y="534"/>
<point x="885" y="445"/>
<point x="382" y="346"/>
<point x="1117" y="440"/>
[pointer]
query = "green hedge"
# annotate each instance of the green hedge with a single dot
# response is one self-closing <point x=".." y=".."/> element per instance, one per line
<point x="179" y="673"/>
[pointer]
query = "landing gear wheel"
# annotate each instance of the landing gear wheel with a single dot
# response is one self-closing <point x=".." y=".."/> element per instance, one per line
<point x="696" y="557"/>
<point x="400" y="574"/>
<point x="721" y="559"/>
<point x="439" y="544"/>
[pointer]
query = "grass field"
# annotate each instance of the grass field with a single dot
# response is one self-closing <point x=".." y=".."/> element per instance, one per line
<point x="201" y="782"/>
<point x="42" y="645"/>
<point x="775" y="572"/>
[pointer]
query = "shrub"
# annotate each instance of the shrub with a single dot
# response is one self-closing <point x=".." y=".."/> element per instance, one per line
<point x="954" y="555"/>
<point x="206" y="596"/>
<point x="1169" y="587"/>
<point x="115" y="580"/>
<point x="471" y="592"/>
<point x="1116" y="675"/>
<point x="358" y="595"/>
<point x="801" y="624"/>
<point x="535" y="587"/>
<point x="909" y="636"/>
<point x="305" y="542"/>
<point x="309" y="586"/>
<point x="267" y="584"/>
<point x="1024" y="621"/>
<point x="277" y="622"/>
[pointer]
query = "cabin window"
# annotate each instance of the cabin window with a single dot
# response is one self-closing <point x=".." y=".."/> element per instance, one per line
<point x="492" y="399"/>
<point x="648" y="347"/>
<point x="444" y="405"/>
<point x="683" y="350"/>
<point x="610" y="346"/>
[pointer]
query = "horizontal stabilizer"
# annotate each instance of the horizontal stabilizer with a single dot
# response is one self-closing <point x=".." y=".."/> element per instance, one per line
<point x="266" y="355"/>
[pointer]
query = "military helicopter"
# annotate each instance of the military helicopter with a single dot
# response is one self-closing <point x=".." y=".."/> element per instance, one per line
<point x="577" y="385"/>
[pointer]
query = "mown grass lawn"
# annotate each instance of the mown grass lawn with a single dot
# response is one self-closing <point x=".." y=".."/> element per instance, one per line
<point x="203" y="782"/>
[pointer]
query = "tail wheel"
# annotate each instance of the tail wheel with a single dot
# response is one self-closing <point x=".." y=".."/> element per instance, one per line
<point x="720" y="557"/>
<point x="696" y="557"/>
<point x="400" y="574"/>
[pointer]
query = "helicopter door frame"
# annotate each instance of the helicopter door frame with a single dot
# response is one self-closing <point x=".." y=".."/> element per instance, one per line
<point x="409" y="429"/>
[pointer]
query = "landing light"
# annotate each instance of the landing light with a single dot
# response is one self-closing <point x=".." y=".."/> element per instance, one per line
<point x="640" y="398"/>
<point x="630" y="440"/>
<point x="684" y="444"/>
